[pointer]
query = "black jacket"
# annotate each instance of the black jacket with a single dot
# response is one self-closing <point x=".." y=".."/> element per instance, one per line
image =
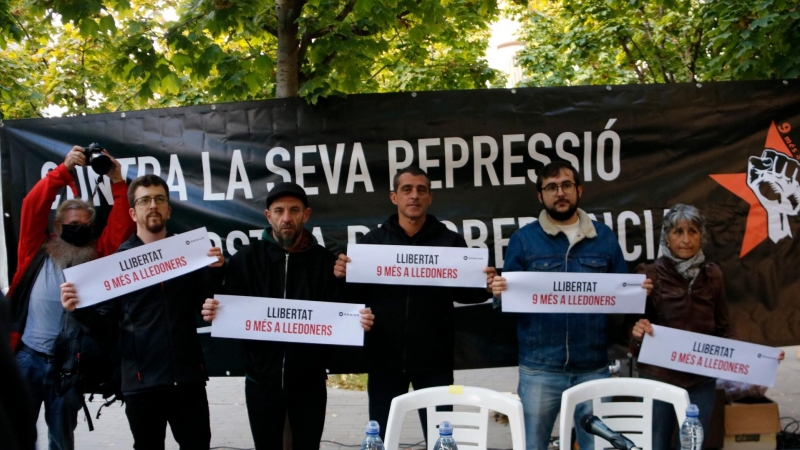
<point x="264" y="269"/>
<point x="413" y="328"/>
<point x="158" y="339"/>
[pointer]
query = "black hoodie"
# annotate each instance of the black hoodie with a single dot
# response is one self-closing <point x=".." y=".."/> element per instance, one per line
<point x="265" y="269"/>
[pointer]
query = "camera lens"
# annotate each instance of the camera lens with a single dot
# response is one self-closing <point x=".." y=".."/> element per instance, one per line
<point x="101" y="164"/>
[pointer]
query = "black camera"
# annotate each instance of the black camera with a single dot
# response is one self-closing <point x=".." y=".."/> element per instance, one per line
<point x="101" y="164"/>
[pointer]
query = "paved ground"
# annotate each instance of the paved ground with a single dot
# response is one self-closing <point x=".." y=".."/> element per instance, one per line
<point x="347" y="413"/>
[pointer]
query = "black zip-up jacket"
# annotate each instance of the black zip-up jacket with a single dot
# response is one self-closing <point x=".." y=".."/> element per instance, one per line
<point x="414" y="325"/>
<point x="265" y="269"/>
<point x="158" y="339"/>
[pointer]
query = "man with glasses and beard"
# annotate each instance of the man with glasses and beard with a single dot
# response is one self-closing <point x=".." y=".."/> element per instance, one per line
<point x="163" y="373"/>
<point x="38" y="323"/>
<point x="285" y="378"/>
<point x="558" y="351"/>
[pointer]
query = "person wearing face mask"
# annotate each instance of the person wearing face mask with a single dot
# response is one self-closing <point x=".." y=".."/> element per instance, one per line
<point x="38" y="322"/>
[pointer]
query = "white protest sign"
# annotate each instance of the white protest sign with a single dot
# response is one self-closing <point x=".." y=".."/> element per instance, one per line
<point x="571" y="292"/>
<point x="417" y="265"/>
<point x="711" y="356"/>
<point x="285" y="320"/>
<point x="105" y="278"/>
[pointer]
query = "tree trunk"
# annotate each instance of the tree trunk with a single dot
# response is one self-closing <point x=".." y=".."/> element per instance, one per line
<point x="288" y="66"/>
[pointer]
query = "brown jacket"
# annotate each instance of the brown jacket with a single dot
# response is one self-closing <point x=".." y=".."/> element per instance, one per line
<point x="703" y="308"/>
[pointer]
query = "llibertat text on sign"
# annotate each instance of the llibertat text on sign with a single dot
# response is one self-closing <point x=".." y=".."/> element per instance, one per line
<point x="711" y="356"/>
<point x="287" y="320"/>
<point x="570" y="292"/>
<point x="114" y="275"/>
<point x="417" y="265"/>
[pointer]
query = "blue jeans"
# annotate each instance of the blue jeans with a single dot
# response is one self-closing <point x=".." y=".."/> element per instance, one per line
<point x="60" y="411"/>
<point x="664" y="420"/>
<point x="540" y="393"/>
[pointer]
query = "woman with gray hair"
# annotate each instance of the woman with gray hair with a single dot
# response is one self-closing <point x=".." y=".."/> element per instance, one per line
<point x="688" y="294"/>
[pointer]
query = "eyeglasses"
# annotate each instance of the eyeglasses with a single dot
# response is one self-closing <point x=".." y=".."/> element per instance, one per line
<point x="552" y="189"/>
<point x="145" y="201"/>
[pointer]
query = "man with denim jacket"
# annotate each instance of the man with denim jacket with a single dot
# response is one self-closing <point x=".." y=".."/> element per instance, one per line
<point x="558" y="351"/>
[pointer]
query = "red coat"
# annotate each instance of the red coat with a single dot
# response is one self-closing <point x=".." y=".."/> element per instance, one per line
<point x="33" y="231"/>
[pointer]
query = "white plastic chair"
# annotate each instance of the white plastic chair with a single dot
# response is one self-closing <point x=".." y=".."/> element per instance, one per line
<point x="634" y="419"/>
<point x="471" y="438"/>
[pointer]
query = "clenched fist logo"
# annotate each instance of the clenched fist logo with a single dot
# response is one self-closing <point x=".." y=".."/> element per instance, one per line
<point x="773" y="178"/>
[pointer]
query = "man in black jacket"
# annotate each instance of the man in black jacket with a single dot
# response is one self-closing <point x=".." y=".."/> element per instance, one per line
<point x="285" y="378"/>
<point x="413" y="340"/>
<point x="163" y="374"/>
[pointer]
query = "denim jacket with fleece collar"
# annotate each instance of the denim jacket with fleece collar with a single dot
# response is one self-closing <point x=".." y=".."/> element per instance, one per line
<point x="563" y="342"/>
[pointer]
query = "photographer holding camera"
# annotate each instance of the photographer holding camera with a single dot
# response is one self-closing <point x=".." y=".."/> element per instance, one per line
<point x="39" y="323"/>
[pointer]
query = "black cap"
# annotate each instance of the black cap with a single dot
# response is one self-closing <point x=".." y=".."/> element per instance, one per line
<point x="287" y="189"/>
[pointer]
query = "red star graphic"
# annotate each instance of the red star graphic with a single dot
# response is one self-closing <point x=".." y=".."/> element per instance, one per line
<point x="756" y="229"/>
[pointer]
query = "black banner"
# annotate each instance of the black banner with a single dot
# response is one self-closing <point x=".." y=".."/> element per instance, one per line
<point x="728" y="148"/>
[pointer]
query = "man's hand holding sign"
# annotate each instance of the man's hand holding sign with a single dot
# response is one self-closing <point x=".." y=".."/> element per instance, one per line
<point x="548" y="292"/>
<point x="415" y="265"/>
<point x="158" y="284"/>
<point x="137" y="268"/>
<point x="287" y="320"/>
<point x="281" y="297"/>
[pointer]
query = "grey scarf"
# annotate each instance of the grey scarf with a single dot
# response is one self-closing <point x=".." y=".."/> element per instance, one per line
<point x="688" y="268"/>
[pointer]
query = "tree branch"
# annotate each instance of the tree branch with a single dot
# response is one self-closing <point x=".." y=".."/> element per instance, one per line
<point x="30" y="39"/>
<point x="632" y="60"/>
<point x="124" y="102"/>
<point x="348" y="8"/>
<point x="649" y="32"/>
<point x="35" y="110"/>
<point x="316" y="34"/>
<point x="649" y="66"/>
<point x="695" y="54"/>
<point x="271" y="30"/>
<point x="188" y="22"/>
<point x="83" y="99"/>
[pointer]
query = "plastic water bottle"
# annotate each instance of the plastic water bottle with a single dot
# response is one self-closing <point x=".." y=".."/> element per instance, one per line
<point x="692" y="430"/>
<point x="372" y="441"/>
<point x="445" y="441"/>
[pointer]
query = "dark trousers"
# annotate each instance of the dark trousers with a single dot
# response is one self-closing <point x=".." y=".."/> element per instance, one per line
<point x="664" y="421"/>
<point x="382" y="387"/>
<point x="60" y="411"/>
<point x="267" y="408"/>
<point x="184" y="408"/>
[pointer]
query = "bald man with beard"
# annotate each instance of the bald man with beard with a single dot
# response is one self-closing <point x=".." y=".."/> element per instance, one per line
<point x="39" y="324"/>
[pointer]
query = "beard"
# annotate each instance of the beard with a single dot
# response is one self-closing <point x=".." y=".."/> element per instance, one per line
<point x="561" y="216"/>
<point x="154" y="226"/>
<point x="286" y="237"/>
<point x="66" y="255"/>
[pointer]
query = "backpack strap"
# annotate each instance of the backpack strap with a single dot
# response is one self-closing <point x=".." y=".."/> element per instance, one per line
<point x="114" y="398"/>
<point x="86" y="413"/>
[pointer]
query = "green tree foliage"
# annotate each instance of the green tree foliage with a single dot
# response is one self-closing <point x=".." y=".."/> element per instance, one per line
<point x="573" y="42"/>
<point x="108" y="55"/>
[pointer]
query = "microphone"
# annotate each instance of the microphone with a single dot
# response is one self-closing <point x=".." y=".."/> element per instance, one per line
<point x="593" y="425"/>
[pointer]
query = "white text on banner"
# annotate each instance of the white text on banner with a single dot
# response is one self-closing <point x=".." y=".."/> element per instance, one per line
<point x="711" y="356"/>
<point x="105" y="278"/>
<point x="417" y="265"/>
<point x="571" y="292"/>
<point x="286" y="320"/>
